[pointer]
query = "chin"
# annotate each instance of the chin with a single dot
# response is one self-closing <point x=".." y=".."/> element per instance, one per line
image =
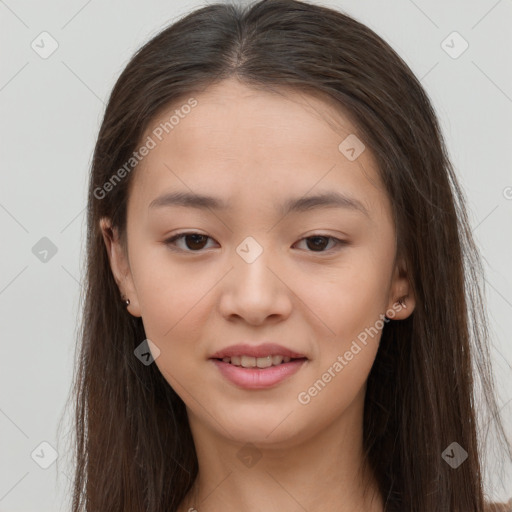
<point x="274" y="429"/>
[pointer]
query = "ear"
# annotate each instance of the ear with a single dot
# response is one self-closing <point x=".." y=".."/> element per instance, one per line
<point x="120" y="266"/>
<point x="401" y="301"/>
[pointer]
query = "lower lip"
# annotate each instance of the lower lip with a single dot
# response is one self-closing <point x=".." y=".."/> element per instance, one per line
<point x="258" y="378"/>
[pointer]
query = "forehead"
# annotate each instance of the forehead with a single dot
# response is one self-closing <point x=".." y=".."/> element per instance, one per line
<point x="277" y="116"/>
<point x="245" y="142"/>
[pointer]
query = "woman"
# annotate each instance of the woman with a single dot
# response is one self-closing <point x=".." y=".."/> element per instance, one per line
<point x="283" y="305"/>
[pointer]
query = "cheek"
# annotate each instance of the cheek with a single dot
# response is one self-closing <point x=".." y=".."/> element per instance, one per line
<point x="349" y="302"/>
<point x="343" y="301"/>
<point x="174" y="307"/>
<point x="172" y="299"/>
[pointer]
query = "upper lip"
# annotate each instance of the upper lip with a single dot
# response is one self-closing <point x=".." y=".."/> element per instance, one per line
<point x="261" y="350"/>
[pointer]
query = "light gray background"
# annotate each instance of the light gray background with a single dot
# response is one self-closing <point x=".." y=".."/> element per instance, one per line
<point x="51" y="110"/>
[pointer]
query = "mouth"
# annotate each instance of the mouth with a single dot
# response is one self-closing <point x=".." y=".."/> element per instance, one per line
<point x="251" y="366"/>
<point x="252" y="373"/>
<point x="245" y="361"/>
<point x="251" y="353"/>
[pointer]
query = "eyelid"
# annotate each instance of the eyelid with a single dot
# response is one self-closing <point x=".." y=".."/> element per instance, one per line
<point x="338" y="242"/>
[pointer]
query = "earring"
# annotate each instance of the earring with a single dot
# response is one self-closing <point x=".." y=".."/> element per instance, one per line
<point x="402" y="303"/>
<point x="126" y="301"/>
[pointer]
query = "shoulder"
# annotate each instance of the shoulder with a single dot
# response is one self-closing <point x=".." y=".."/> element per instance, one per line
<point x="499" y="507"/>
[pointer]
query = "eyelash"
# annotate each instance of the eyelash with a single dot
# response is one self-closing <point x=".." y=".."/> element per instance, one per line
<point x="170" y="241"/>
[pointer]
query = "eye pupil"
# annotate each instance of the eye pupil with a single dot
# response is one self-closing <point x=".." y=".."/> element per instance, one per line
<point x="195" y="236"/>
<point x="323" y="242"/>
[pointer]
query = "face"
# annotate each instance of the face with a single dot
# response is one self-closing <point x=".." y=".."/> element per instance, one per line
<point x="316" y="278"/>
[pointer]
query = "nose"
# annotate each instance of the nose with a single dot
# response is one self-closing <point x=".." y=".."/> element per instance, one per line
<point x="256" y="292"/>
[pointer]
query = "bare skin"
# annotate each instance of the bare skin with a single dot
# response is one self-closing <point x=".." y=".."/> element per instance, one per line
<point x="255" y="150"/>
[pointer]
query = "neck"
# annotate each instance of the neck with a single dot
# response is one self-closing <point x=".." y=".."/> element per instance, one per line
<point x="314" y="471"/>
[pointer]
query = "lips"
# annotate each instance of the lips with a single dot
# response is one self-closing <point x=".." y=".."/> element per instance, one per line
<point x="258" y="378"/>
<point x="261" y="350"/>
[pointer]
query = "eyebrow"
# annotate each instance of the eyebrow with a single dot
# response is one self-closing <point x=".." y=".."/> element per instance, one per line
<point x="327" y="199"/>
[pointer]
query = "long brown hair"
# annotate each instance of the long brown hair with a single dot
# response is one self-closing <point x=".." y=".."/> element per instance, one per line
<point x="134" y="450"/>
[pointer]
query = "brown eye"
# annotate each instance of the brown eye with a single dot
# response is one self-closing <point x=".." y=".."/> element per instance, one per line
<point x="194" y="242"/>
<point x="318" y="243"/>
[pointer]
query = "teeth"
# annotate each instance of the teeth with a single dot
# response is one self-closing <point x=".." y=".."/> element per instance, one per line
<point x="277" y="360"/>
<point x="235" y="360"/>
<point x="249" y="362"/>
<point x="253" y="362"/>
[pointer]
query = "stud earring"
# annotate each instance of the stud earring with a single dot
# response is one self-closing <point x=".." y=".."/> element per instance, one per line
<point x="126" y="301"/>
